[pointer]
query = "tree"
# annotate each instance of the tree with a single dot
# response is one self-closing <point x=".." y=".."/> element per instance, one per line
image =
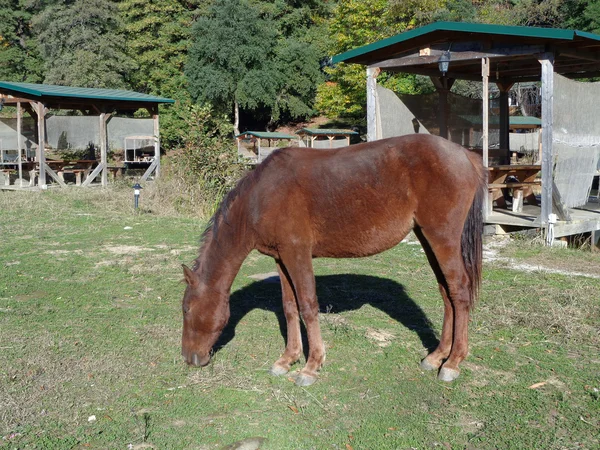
<point x="82" y="44"/>
<point x="256" y="57"/>
<point x="356" y="23"/>
<point x="228" y="59"/>
<point x="19" y="59"/>
<point x="158" y="35"/>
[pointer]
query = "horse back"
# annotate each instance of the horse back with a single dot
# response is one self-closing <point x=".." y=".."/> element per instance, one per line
<point x="362" y="199"/>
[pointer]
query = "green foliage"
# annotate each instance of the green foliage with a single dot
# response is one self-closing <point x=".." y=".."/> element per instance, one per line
<point x="158" y="36"/>
<point x="82" y="44"/>
<point x="226" y="63"/>
<point x="241" y="57"/>
<point x="19" y="59"/>
<point x="207" y="158"/>
<point x="356" y="23"/>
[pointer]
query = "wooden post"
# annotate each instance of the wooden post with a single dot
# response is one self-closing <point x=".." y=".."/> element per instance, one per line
<point x="104" y="118"/>
<point x="443" y="86"/>
<point x="547" y="62"/>
<point x="504" y="118"/>
<point x="595" y="244"/>
<point x="156" y="140"/>
<point x="485" y="74"/>
<point x="20" y="141"/>
<point x="41" y="154"/>
<point x="372" y="120"/>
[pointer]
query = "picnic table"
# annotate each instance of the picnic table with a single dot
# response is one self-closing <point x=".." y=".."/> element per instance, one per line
<point x="520" y="179"/>
<point x="81" y="168"/>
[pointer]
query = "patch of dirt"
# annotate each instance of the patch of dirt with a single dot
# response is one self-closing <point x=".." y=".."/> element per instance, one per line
<point x="382" y="338"/>
<point x="269" y="277"/>
<point x="127" y="249"/>
<point x="560" y="266"/>
<point x="63" y="252"/>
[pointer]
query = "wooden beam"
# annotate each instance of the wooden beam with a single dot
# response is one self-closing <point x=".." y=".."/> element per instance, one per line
<point x="372" y="73"/>
<point x="485" y="73"/>
<point x="156" y="139"/>
<point x="578" y="54"/>
<point x="558" y="205"/>
<point x="443" y="86"/>
<point x="41" y="153"/>
<point x="104" y="118"/>
<point x="53" y="174"/>
<point x="92" y="176"/>
<point x="504" y="88"/>
<point x="151" y="169"/>
<point x="414" y="59"/>
<point x="547" y="62"/>
<point x="20" y="141"/>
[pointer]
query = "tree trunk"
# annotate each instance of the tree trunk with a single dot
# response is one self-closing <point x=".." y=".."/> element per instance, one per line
<point x="236" y="117"/>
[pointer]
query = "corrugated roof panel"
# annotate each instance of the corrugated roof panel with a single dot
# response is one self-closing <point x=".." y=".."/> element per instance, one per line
<point x="325" y="131"/>
<point x="48" y="90"/>
<point x="267" y="135"/>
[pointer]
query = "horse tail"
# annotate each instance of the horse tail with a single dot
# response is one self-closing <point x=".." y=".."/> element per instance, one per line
<point x="472" y="240"/>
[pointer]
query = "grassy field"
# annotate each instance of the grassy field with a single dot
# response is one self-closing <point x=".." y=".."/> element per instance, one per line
<point x="90" y="323"/>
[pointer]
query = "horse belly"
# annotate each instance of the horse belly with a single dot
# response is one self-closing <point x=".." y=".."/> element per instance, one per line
<point x="366" y="236"/>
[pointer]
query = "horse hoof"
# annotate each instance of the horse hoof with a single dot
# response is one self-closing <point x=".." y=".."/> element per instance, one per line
<point x="305" y="380"/>
<point x="278" y="370"/>
<point x="426" y="365"/>
<point x="447" y="374"/>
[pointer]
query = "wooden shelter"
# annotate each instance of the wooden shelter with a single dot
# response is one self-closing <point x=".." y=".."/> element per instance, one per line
<point x="325" y="137"/>
<point x="447" y="51"/>
<point x="38" y="99"/>
<point x="255" y="146"/>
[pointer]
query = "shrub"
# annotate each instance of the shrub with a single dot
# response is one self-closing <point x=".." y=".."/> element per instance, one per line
<point x="196" y="176"/>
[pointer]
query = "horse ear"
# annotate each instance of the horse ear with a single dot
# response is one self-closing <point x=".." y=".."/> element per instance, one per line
<point x="190" y="277"/>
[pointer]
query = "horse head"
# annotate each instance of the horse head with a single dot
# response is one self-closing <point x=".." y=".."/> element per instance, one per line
<point x="205" y="314"/>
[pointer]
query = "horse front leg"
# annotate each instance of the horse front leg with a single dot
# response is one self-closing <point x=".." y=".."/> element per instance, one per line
<point x="298" y="264"/>
<point x="293" y="348"/>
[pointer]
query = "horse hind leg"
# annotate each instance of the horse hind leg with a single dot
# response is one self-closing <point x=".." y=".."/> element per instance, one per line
<point x="457" y="304"/>
<point x="435" y="359"/>
<point x="293" y="348"/>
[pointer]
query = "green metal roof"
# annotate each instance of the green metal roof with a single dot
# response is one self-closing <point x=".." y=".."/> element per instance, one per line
<point x="46" y="90"/>
<point x="463" y="27"/>
<point x="266" y="135"/>
<point x="495" y="120"/>
<point x="326" y="132"/>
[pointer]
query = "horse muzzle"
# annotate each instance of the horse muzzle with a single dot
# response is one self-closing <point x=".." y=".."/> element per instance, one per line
<point x="196" y="360"/>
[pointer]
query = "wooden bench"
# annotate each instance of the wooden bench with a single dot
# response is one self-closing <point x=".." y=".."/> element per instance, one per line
<point x="115" y="171"/>
<point x="519" y="192"/>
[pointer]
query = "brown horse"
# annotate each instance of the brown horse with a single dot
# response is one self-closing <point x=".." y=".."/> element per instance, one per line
<point x="303" y="203"/>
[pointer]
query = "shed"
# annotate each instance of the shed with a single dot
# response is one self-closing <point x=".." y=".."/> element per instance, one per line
<point x="325" y="138"/>
<point x="38" y="99"/>
<point x="251" y="146"/>
<point x="447" y="51"/>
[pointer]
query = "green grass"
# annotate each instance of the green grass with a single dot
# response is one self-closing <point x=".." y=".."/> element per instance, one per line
<point x="90" y="325"/>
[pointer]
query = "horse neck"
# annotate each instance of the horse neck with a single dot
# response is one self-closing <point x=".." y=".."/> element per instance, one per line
<point x="221" y="258"/>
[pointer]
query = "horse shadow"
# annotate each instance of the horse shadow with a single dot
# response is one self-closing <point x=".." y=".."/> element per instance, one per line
<point x="336" y="294"/>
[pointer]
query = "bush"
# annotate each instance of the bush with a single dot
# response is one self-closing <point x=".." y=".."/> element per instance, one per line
<point x="196" y="176"/>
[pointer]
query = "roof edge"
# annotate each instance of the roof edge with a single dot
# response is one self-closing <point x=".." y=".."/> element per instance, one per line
<point x="466" y="27"/>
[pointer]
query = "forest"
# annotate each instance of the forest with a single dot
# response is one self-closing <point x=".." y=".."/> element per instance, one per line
<point x="260" y="63"/>
<point x="235" y="65"/>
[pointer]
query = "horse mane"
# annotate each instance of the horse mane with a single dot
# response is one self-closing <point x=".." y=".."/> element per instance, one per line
<point x="220" y="216"/>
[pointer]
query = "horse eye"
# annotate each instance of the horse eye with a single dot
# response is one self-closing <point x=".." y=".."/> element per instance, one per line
<point x="186" y="309"/>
